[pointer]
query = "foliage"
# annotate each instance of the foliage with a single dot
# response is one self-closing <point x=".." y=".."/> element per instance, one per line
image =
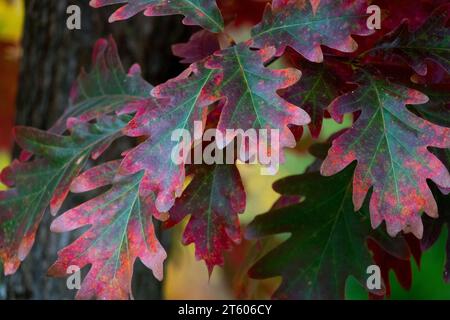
<point x="400" y="111"/>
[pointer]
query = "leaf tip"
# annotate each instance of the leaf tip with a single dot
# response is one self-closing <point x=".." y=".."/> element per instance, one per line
<point x="94" y="4"/>
<point x="416" y="97"/>
<point x="113" y="19"/>
<point x="10" y="267"/>
<point x="57" y="227"/>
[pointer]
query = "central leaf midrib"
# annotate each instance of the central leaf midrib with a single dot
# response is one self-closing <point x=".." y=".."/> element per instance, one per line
<point x="385" y="130"/>
<point x="302" y="24"/>
<point x="247" y="84"/>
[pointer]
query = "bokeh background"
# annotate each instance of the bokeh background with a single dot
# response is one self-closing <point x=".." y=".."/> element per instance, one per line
<point x="39" y="102"/>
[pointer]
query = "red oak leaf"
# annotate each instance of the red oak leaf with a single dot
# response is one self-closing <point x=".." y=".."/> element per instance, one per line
<point x="390" y="144"/>
<point x="278" y="4"/>
<point x="433" y="227"/>
<point x="105" y="89"/>
<point x="313" y="93"/>
<point x="429" y="42"/>
<point x="395" y="11"/>
<point x="200" y="45"/>
<point x="43" y="182"/>
<point x="197" y="12"/>
<point x="305" y="26"/>
<point x="388" y="262"/>
<point x="250" y="93"/>
<point x="409" y="248"/>
<point x="213" y="199"/>
<point x="121" y="231"/>
<point x="178" y="104"/>
<point x="241" y="12"/>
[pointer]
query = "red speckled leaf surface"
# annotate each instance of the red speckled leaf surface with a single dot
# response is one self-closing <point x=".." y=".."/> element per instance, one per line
<point x="433" y="227"/>
<point x="176" y="105"/>
<point x="390" y="145"/>
<point x="299" y="25"/>
<point x="201" y="12"/>
<point x="43" y="182"/>
<point x="213" y="199"/>
<point x="250" y="93"/>
<point x="121" y="230"/>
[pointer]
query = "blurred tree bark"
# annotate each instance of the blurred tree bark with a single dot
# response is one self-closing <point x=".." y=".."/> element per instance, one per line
<point x="52" y="58"/>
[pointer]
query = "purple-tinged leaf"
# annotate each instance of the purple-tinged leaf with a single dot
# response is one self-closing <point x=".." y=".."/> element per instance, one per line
<point x="213" y="199"/>
<point x="201" y="45"/>
<point x="313" y="93"/>
<point x="121" y="231"/>
<point x="433" y="228"/>
<point x="431" y="41"/>
<point x="43" y="182"/>
<point x="179" y="103"/>
<point x="197" y="12"/>
<point x="250" y="93"/>
<point x="390" y="144"/>
<point x="107" y="88"/>
<point x="304" y="27"/>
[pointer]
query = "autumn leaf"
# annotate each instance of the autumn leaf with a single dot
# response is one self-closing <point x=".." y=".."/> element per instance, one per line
<point x="431" y="41"/>
<point x="394" y="12"/>
<point x="433" y="227"/>
<point x="313" y="93"/>
<point x="182" y="101"/>
<point x="401" y="266"/>
<point x="197" y="12"/>
<point x="327" y="240"/>
<point x="201" y="45"/>
<point x="299" y="25"/>
<point x="105" y="89"/>
<point x="121" y="230"/>
<point x="391" y="165"/>
<point x="250" y="93"/>
<point x="390" y="145"/>
<point x="176" y="105"/>
<point x="43" y="182"/>
<point x="242" y="12"/>
<point x="213" y="200"/>
<point x="437" y="109"/>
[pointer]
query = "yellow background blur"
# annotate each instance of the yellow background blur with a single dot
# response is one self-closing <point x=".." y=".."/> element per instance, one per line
<point x="11" y="20"/>
<point x="11" y="23"/>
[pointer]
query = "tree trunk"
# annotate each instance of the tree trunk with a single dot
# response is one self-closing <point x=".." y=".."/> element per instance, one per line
<point x="52" y="58"/>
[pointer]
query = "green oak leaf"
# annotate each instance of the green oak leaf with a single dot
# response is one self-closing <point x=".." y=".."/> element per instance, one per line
<point x="328" y="240"/>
